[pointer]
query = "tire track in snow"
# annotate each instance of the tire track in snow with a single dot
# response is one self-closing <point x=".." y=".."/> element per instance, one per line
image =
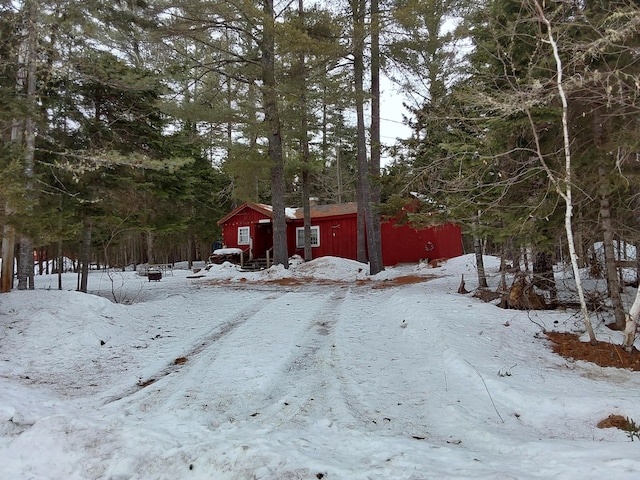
<point x="310" y="388"/>
<point x="396" y="370"/>
<point x="205" y="342"/>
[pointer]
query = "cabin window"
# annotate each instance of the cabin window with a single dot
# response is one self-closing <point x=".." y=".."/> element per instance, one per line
<point x="243" y="235"/>
<point x="315" y="237"/>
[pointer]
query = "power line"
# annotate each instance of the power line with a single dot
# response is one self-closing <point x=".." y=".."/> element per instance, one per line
<point x="368" y="117"/>
<point x="392" y="121"/>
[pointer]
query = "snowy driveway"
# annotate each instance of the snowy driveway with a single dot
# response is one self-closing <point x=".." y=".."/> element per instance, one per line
<point x="238" y="380"/>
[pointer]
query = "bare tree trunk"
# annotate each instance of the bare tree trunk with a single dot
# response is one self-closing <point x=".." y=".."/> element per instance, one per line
<point x="374" y="238"/>
<point x="60" y="262"/>
<point x="339" y="172"/>
<point x="85" y="260"/>
<point x="609" y="253"/>
<point x="151" y="256"/>
<point x="637" y="244"/>
<point x="621" y="246"/>
<point x="363" y="190"/>
<point x="502" y="287"/>
<point x="304" y="148"/>
<point x="631" y="320"/>
<point x="631" y="323"/>
<point x="306" y="213"/>
<point x="25" y="265"/>
<point x="566" y="193"/>
<point x="477" y="248"/>
<point x="272" y="120"/>
<point x="543" y="276"/>
<point x="582" y="258"/>
<point x="8" y="254"/>
<point x="482" y="277"/>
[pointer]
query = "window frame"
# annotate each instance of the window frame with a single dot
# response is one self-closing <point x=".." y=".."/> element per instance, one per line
<point x="244" y="231"/>
<point x="300" y="236"/>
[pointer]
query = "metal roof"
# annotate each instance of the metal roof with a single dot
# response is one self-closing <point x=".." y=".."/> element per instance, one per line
<point x="317" y="211"/>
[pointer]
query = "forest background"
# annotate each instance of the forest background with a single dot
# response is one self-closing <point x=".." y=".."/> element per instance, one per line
<point x="128" y="128"/>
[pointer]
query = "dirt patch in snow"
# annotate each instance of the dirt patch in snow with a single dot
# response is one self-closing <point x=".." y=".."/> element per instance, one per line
<point x="604" y="354"/>
<point x="625" y="424"/>
<point x="387" y="283"/>
<point x="615" y="421"/>
<point x="406" y="280"/>
<point x="302" y="281"/>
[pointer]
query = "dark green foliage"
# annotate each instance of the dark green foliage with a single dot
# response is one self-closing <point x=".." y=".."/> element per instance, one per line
<point x="155" y="123"/>
<point x="479" y="149"/>
<point x="117" y="163"/>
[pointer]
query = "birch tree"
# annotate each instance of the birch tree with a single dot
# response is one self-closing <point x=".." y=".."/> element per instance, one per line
<point x="564" y="186"/>
<point x="550" y="64"/>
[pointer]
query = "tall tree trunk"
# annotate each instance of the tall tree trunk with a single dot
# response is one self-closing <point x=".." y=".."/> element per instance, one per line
<point x="621" y="246"/>
<point x="637" y="244"/>
<point x="339" y="172"/>
<point x="189" y="249"/>
<point x="582" y="259"/>
<point x="609" y="252"/>
<point x="8" y="254"/>
<point x="374" y="238"/>
<point x="564" y="189"/>
<point x="363" y="188"/>
<point x="631" y="320"/>
<point x="304" y="146"/>
<point x="502" y="287"/>
<point x="25" y="265"/>
<point x="85" y="254"/>
<point x="631" y="323"/>
<point x="543" y="275"/>
<point x="272" y="119"/>
<point x="508" y="255"/>
<point x="482" y="277"/>
<point x="477" y="248"/>
<point x="151" y="255"/>
<point x="60" y="252"/>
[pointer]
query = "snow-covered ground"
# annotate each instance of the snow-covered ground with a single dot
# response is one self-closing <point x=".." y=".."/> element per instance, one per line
<point x="228" y="376"/>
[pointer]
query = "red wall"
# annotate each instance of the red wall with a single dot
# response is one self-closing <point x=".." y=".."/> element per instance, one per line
<point x="405" y="244"/>
<point x="247" y="217"/>
<point x="400" y="243"/>
<point x="338" y="238"/>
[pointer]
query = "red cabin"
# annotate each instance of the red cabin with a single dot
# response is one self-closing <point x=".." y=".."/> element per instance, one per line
<point x="334" y="233"/>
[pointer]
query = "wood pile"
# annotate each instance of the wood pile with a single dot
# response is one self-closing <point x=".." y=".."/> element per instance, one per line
<point x="225" y="257"/>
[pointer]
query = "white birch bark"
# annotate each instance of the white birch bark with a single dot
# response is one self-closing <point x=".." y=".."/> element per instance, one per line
<point x="565" y="190"/>
<point x="632" y="323"/>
